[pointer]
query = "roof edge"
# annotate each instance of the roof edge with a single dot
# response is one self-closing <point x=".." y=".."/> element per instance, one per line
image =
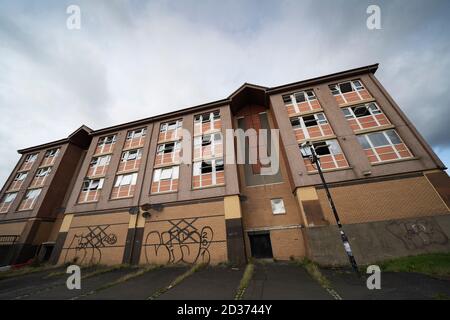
<point x="56" y="142"/>
<point x="329" y="77"/>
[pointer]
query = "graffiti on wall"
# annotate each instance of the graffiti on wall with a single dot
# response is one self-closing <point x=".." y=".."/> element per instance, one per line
<point x="182" y="242"/>
<point x="88" y="246"/>
<point x="418" y="234"/>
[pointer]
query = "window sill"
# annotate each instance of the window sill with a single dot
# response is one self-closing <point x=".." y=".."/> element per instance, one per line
<point x="330" y="170"/>
<point x="86" y="202"/>
<point x="318" y="139"/>
<point x="306" y="113"/>
<point x="208" y="187"/>
<point x="102" y="154"/>
<point x="215" y="130"/>
<point x="374" y="129"/>
<point x="121" y="198"/>
<point x="133" y="148"/>
<point x="165" y="165"/>
<point x="394" y="161"/>
<point x="353" y="103"/>
<point x="127" y="171"/>
<point x="163" y="192"/>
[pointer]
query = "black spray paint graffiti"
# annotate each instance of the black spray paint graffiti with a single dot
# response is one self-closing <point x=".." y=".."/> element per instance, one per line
<point x="88" y="246"/>
<point x="183" y="242"/>
<point x="418" y="234"/>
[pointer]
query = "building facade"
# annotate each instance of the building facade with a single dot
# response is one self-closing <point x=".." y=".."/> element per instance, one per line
<point x="162" y="189"/>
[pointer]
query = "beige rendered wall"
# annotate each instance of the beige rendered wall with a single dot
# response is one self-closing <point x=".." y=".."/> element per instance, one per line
<point x="186" y="233"/>
<point x="96" y="239"/>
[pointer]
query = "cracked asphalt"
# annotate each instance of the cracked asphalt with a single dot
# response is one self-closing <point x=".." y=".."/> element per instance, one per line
<point x="277" y="281"/>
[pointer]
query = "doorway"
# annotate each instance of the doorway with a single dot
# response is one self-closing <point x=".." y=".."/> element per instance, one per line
<point x="260" y="245"/>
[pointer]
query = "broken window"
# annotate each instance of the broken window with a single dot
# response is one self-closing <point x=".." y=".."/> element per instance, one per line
<point x="136" y="133"/>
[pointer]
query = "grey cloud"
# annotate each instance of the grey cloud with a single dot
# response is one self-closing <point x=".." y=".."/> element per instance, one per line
<point x="136" y="59"/>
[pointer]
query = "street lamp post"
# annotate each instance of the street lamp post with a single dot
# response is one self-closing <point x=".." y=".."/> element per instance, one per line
<point x="315" y="160"/>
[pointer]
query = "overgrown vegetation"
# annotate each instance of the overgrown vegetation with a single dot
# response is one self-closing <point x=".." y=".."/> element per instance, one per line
<point x="314" y="272"/>
<point x="433" y="264"/>
<point x="25" y="270"/>
<point x="179" y="279"/>
<point x="246" y="277"/>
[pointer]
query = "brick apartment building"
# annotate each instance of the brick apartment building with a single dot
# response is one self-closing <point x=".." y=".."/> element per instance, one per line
<point x="122" y="194"/>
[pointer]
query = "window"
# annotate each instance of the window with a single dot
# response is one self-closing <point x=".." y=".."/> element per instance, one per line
<point x="166" y="174"/>
<point x="380" y="139"/>
<point x="33" y="194"/>
<point x="208" y="172"/>
<point x="170" y="125"/>
<point x="295" y="122"/>
<point x="329" y="147"/>
<point x="107" y="140"/>
<point x="127" y="179"/>
<point x="6" y="202"/>
<point x="361" y="110"/>
<point x="51" y="153"/>
<point x="20" y="176"/>
<point x="168" y="147"/>
<point x="131" y="155"/>
<point x="346" y="87"/>
<point x="206" y="117"/>
<point x="277" y="206"/>
<point x="100" y="161"/>
<point x="43" y="172"/>
<point x="9" y="197"/>
<point x="92" y="184"/>
<point x="299" y="97"/>
<point x="31" y="158"/>
<point x="136" y="133"/>
<point x="165" y="179"/>
<point x="384" y="146"/>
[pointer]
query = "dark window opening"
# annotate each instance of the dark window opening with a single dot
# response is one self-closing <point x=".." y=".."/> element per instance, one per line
<point x="346" y="87"/>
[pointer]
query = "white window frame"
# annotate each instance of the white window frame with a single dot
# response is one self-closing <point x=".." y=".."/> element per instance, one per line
<point x="198" y="142"/>
<point x="103" y="141"/>
<point x="20" y="176"/>
<point x="126" y="154"/>
<point x="319" y="122"/>
<point x="337" y="87"/>
<point x="174" y="175"/>
<point x="126" y="180"/>
<point x="197" y="170"/>
<point x="31" y="158"/>
<point x="136" y="133"/>
<point x="43" y="172"/>
<point x="306" y="97"/>
<point x="52" y="153"/>
<point x="277" y="211"/>
<point x="391" y="144"/>
<point x="332" y="144"/>
<point x="99" y="162"/>
<point x="368" y="106"/>
<point x="214" y="116"/>
<point x="7" y="197"/>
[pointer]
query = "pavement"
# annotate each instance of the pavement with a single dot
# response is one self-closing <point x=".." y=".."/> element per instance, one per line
<point x="394" y="286"/>
<point x="277" y="281"/>
<point x="283" y="281"/>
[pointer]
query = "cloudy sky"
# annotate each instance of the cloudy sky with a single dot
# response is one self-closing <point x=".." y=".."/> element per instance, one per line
<point x="136" y="59"/>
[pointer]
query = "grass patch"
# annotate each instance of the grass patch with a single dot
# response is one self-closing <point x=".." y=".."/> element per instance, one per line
<point x="25" y="270"/>
<point x="433" y="264"/>
<point x="178" y="280"/>
<point x="246" y="277"/>
<point x="314" y="272"/>
<point x="122" y="279"/>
